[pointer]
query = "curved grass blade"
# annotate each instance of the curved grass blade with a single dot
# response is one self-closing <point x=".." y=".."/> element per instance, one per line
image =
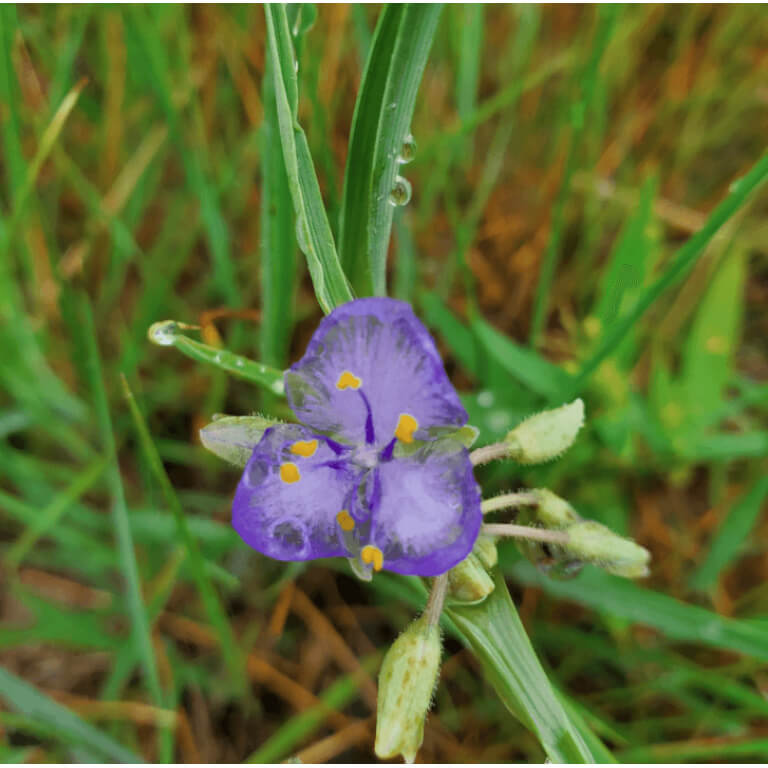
<point x="312" y="228"/>
<point x="496" y="635"/>
<point x="26" y="699"/>
<point x="682" y="262"/>
<point x="166" y="333"/>
<point x="380" y="125"/>
<point x="213" y="608"/>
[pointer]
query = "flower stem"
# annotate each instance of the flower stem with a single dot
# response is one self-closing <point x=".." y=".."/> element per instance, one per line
<point x="509" y="500"/>
<point x="489" y="453"/>
<point x="436" y="599"/>
<point x="524" y="532"/>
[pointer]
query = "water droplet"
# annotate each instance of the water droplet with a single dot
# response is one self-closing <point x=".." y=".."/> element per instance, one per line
<point x="163" y="333"/>
<point x="217" y="358"/>
<point x="400" y="194"/>
<point x="392" y="105"/>
<point x="407" y="151"/>
<point x="296" y="65"/>
<point x="239" y="363"/>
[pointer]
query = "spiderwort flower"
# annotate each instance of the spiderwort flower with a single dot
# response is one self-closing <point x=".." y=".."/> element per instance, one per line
<point x="373" y="472"/>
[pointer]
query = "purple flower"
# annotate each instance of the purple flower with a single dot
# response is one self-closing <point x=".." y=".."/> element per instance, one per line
<point x="372" y="472"/>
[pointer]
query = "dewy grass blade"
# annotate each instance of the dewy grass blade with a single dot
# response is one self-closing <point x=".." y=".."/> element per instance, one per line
<point x="494" y="632"/>
<point x="26" y="699"/>
<point x="682" y="262"/>
<point x="380" y="139"/>
<point x="216" y="613"/>
<point x="126" y="555"/>
<point x="166" y="333"/>
<point x="312" y="228"/>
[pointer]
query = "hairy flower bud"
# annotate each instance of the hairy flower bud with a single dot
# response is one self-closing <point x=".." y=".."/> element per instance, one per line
<point x="232" y="438"/>
<point x="469" y="582"/>
<point x="545" y="435"/>
<point x="594" y="543"/>
<point x="406" y="681"/>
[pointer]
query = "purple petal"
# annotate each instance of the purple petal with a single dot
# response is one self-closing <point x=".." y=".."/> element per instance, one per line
<point x="429" y="512"/>
<point x="370" y="361"/>
<point x="293" y="489"/>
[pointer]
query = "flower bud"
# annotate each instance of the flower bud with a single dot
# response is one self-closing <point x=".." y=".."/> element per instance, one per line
<point x="594" y="543"/>
<point x="553" y="512"/>
<point x="406" y="681"/>
<point x="545" y="435"/>
<point x="469" y="582"/>
<point x="233" y="438"/>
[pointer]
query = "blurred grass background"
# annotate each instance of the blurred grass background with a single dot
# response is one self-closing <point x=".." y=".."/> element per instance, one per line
<point x="564" y="153"/>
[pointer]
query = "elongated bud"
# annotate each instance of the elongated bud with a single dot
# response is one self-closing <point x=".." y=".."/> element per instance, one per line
<point x="594" y="543"/>
<point x="545" y="435"/>
<point x="233" y="438"/>
<point x="406" y="681"/>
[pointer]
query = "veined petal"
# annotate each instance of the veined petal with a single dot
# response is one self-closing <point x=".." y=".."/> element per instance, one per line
<point x="371" y="373"/>
<point x="428" y="515"/>
<point x="292" y="499"/>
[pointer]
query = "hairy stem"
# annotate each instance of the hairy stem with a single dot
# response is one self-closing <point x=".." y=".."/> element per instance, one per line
<point x="524" y="532"/>
<point x="436" y="599"/>
<point x="489" y="453"/>
<point x="508" y="501"/>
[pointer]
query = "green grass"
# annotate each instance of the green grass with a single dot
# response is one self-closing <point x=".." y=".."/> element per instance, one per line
<point x="587" y="218"/>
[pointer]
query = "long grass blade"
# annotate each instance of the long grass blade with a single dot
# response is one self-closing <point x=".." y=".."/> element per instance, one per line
<point x="677" y="269"/>
<point x="380" y="128"/>
<point x="26" y="699"/>
<point x="312" y="228"/>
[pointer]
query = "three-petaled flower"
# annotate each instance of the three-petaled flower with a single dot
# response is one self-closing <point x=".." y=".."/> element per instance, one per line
<point x="374" y="472"/>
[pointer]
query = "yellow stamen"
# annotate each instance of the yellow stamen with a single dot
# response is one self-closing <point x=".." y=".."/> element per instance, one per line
<point x="289" y="472"/>
<point x="406" y="426"/>
<point x="305" y="448"/>
<point x="348" y="380"/>
<point x="345" y="520"/>
<point x="371" y="554"/>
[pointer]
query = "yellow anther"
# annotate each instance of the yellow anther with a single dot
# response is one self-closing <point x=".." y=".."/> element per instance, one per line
<point x="289" y="472"/>
<point x="348" y="380"/>
<point x="406" y="426"/>
<point x="305" y="448"/>
<point x="345" y="520"/>
<point x="371" y="554"/>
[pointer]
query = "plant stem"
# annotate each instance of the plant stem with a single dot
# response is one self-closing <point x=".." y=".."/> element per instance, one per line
<point x="509" y="500"/>
<point x="489" y="453"/>
<point x="524" y="532"/>
<point x="436" y="599"/>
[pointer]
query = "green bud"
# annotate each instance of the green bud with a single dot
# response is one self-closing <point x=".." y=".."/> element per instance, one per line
<point x="594" y="543"/>
<point x="545" y="435"/>
<point x="233" y="438"/>
<point x="485" y="549"/>
<point x="553" y="512"/>
<point x="406" y="681"/>
<point x="469" y="582"/>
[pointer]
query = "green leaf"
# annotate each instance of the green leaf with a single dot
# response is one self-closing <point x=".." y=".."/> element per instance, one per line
<point x="677" y="620"/>
<point x="496" y="635"/>
<point x="312" y="228"/>
<point x="679" y="266"/>
<point x="528" y="367"/>
<point x="166" y="333"/>
<point x="26" y="699"/>
<point x="732" y="534"/>
<point x="278" y="238"/>
<point x="213" y="608"/>
<point x="710" y="346"/>
<point x="380" y="126"/>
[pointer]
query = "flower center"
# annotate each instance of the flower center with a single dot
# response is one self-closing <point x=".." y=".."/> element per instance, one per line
<point x="365" y="456"/>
